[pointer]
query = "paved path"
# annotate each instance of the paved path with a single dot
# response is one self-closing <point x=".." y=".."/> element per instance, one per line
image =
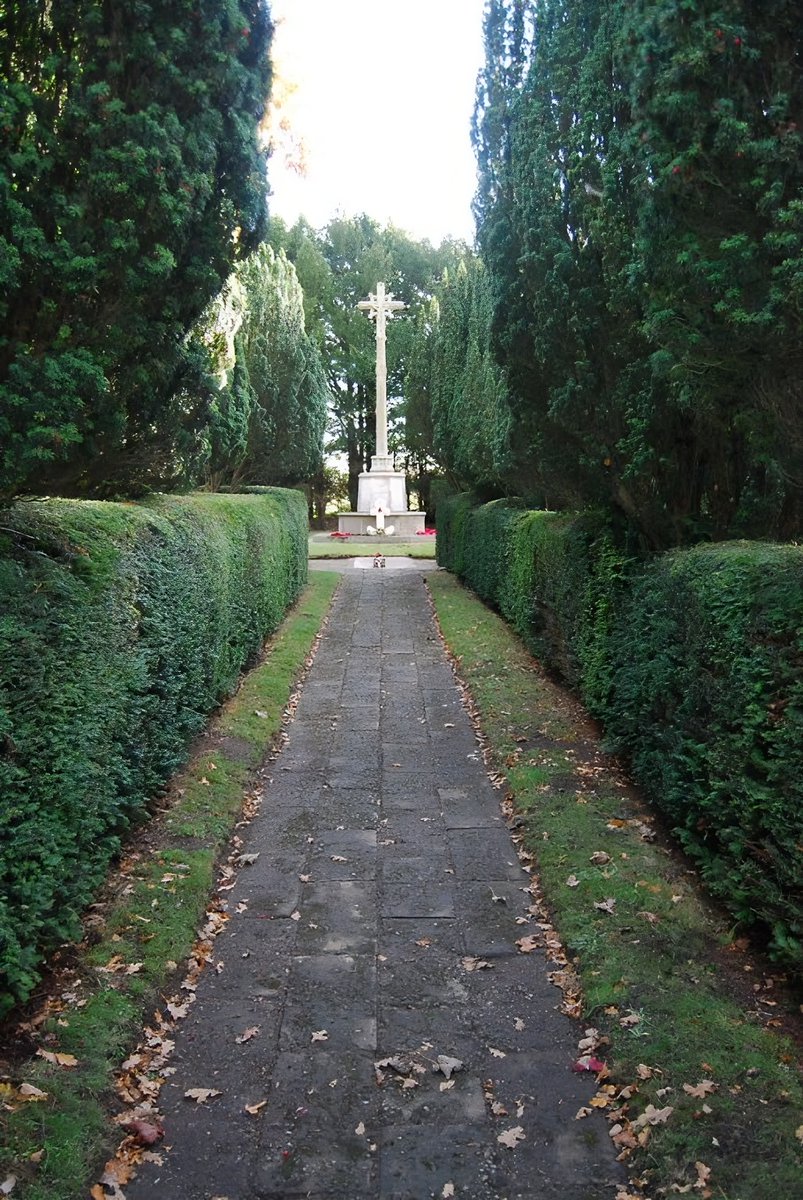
<point x="383" y="864"/>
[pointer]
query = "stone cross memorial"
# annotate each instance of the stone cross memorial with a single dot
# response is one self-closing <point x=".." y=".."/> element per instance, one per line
<point x="382" y="492"/>
<point x="379" y="307"/>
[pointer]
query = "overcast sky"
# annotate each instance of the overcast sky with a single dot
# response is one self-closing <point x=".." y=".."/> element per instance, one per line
<point x="384" y="91"/>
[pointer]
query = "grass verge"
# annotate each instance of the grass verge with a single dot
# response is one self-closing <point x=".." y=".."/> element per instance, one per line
<point x="54" y="1125"/>
<point x="422" y="548"/>
<point x="702" y="1092"/>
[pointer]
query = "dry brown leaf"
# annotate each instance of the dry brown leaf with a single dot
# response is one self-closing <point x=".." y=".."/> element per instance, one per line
<point x="58" y="1060"/>
<point x="27" y="1091"/>
<point x="253" y="1109"/>
<point x="475" y="964"/>
<point x="527" y="944"/>
<point x="607" y="906"/>
<point x="599" y="858"/>
<point x="703" y="1175"/>
<point x="572" y="881"/>
<point x="700" y="1090"/>
<point x="448" y="1190"/>
<point x="320" y="1035"/>
<point x="448" y="1065"/>
<point x="511" y="1137"/>
<point x="497" y="1053"/>
<point x="201" y="1095"/>
<point x="247" y="1034"/>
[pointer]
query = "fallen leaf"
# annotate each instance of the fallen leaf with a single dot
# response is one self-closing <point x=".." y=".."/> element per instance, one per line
<point x="497" y="1053"/>
<point x="475" y="964"/>
<point x="653" y="1116"/>
<point x="338" y="858"/>
<point x="295" y="916"/>
<point x="253" y="1109"/>
<point x="147" y="1133"/>
<point x="498" y="1109"/>
<point x="703" y="1174"/>
<point x="59" y="1060"/>
<point x="644" y="1072"/>
<point x="448" y="1190"/>
<point x="527" y="944"/>
<point x="572" y="881"/>
<point x="448" y="1065"/>
<point x="201" y="1095"/>
<point x="360" y="1130"/>
<point x="446" y="1085"/>
<point x="27" y="1091"/>
<point x="8" y="1185"/>
<point x="320" y="1035"/>
<point x="587" y="1062"/>
<point x="700" y="1090"/>
<point x="424" y="942"/>
<point x="599" y="858"/>
<point x="582" y="1112"/>
<point x="629" y="1020"/>
<point x="511" y="1137"/>
<point x="608" y="906"/>
<point x="518" y="1024"/>
<point x="652" y="917"/>
<point x="247" y="1034"/>
<point x="409" y="1083"/>
<point x="799" y="1133"/>
<point x="247" y="860"/>
<point x="177" y="1011"/>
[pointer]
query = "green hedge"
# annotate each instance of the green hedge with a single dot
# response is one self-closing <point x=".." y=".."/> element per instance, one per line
<point x="693" y="661"/>
<point x="121" y="627"/>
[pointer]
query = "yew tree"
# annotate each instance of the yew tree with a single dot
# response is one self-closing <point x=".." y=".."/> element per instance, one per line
<point x="131" y="180"/>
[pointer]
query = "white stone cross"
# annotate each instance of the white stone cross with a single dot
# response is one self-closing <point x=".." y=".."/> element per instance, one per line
<point x="379" y="307"/>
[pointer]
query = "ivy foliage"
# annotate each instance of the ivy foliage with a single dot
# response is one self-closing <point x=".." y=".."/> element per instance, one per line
<point x="691" y="659"/>
<point x="640" y="217"/>
<point x="131" y="181"/>
<point x="122" y="626"/>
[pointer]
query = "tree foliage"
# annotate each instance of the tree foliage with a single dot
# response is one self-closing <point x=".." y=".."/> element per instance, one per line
<point x="338" y="266"/>
<point x="131" y="180"/>
<point x="267" y="419"/>
<point x="456" y="394"/>
<point x="641" y="221"/>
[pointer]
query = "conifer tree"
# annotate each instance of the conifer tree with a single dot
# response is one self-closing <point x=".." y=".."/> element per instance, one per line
<point x="131" y="181"/>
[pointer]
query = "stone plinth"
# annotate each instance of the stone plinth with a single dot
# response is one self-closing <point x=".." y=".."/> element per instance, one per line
<point x="404" y="523"/>
<point x="381" y="486"/>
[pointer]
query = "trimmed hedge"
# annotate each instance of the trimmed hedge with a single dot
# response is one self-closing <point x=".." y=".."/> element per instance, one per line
<point x="693" y="661"/>
<point x="121" y="627"/>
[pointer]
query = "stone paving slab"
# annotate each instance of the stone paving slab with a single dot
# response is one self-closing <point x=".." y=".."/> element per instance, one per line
<point x="384" y="867"/>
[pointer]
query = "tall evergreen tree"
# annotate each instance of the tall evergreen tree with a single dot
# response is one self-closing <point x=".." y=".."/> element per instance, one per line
<point x="639" y="207"/>
<point x="269" y="418"/>
<point x="338" y="267"/>
<point x="131" y="180"/>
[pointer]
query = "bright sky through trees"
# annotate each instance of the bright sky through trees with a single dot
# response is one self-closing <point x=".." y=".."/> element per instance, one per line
<point x="384" y="91"/>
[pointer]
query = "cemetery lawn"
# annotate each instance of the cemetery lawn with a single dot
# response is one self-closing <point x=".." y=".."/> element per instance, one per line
<point x="697" y="1035"/>
<point x="423" y="547"/>
<point x="99" y="994"/>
